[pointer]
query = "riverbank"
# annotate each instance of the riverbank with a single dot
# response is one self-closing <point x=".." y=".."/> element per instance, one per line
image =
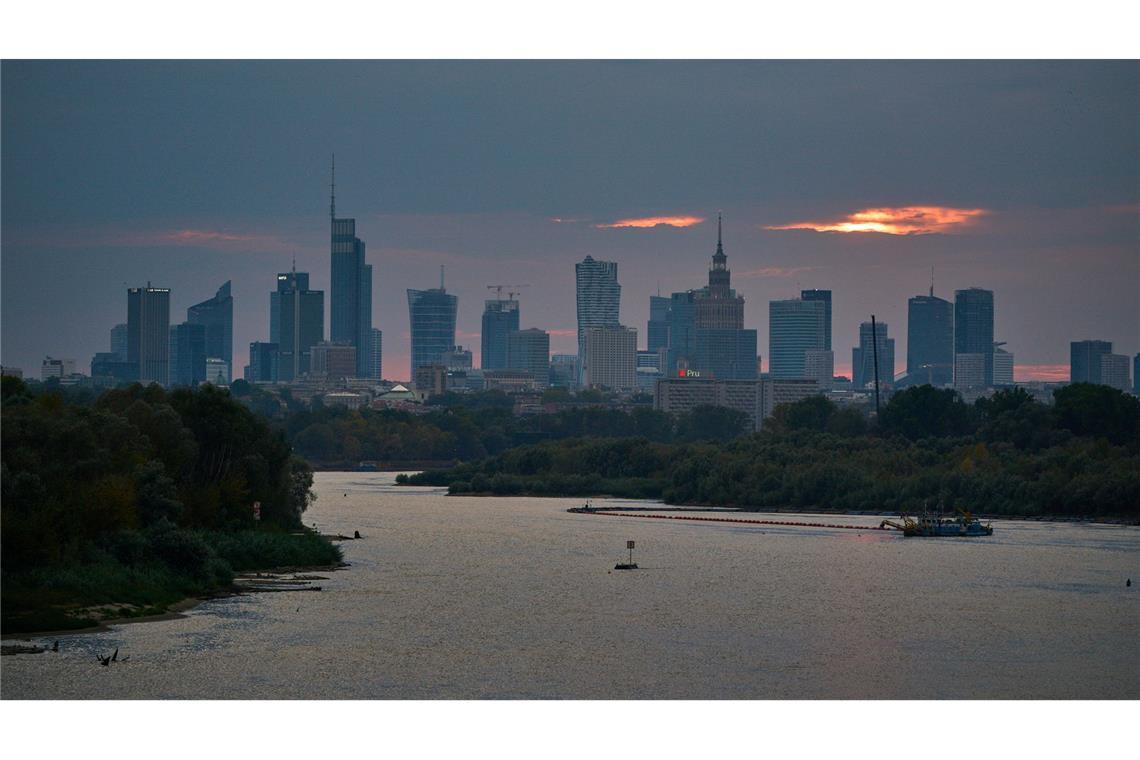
<point x="147" y="578"/>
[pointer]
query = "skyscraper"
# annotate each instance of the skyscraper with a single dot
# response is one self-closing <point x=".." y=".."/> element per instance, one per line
<point x="297" y="323"/>
<point x="863" y="357"/>
<point x="657" y="334"/>
<point x="795" y="326"/>
<point x="148" y="333"/>
<point x="930" y="341"/>
<point x="500" y="318"/>
<point x="721" y="346"/>
<point x="119" y="342"/>
<point x="1136" y="375"/>
<point x="974" y="329"/>
<point x="264" y="363"/>
<point x="825" y="297"/>
<point x="188" y="360"/>
<point x="216" y="315"/>
<point x="350" y="294"/>
<point x="682" y="330"/>
<point x="431" y="314"/>
<point x="1084" y="360"/>
<point x="718" y="306"/>
<point x="598" y="296"/>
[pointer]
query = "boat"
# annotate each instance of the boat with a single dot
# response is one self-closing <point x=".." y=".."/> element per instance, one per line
<point x="929" y="525"/>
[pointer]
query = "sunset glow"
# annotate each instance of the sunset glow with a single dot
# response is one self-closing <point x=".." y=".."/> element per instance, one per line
<point x="1052" y="373"/>
<point x="202" y="236"/>
<point x="654" y="221"/>
<point x="904" y="220"/>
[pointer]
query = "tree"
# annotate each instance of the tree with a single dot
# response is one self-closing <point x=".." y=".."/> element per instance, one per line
<point x="1086" y="409"/>
<point x="712" y="423"/>
<point x="924" y="411"/>
<point x="1013" y="415"/>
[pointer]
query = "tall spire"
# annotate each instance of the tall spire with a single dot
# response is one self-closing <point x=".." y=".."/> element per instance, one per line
<point x="332" y="190"/>
<point x="719" y="258"/>
<point x="932" y="282"/>
<point x="441" y="277"/>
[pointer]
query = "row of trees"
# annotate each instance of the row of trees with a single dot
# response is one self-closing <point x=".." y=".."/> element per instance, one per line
<point x="467" y="432"/>
<point x="1005" y="455"/>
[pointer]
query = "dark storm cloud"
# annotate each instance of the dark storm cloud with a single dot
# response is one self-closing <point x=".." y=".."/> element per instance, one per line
<point x="192" y="173"/>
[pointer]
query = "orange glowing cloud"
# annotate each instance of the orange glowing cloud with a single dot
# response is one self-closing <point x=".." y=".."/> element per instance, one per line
<point x="903" y="220"/>
<point x="653" y="221"/>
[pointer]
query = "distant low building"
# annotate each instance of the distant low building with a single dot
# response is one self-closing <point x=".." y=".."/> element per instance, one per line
<point x="57" y="368"/>
<point x="217" y="371"/>
<point x="11" y="372"/>
<point x="334" y="360"/>
<point x="679" y="395"/>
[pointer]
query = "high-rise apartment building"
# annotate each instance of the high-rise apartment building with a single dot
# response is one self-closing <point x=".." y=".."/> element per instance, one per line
<point x="350" y="294"/>
<point x="795" y="326"/>
<point x="529" y="350"/>
<point x="974" y="329"/>
<point x="148" y="333"/>
<point x="376" y="354"/>
<point x="598" y="297"/>
<point x="1084" y="360"/>
<point x="1114" y="371"/>
<point x="819" y="365"/>
<point x="863" y="357"/>
<point x="500" y="318"/>
<point x="216" y="315"/>
<point x="297" y="323"/>
<point x="1003" y="366"/>
<point x="930" y="341"/>
<point x="431" y="314"/>
<point x="609" y="358"/>
<point x="1136" y="375"/>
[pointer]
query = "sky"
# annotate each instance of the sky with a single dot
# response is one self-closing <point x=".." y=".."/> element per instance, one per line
<point x="1022" y="177"/>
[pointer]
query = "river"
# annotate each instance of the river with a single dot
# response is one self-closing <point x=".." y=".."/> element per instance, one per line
<point x="456" y="597"/>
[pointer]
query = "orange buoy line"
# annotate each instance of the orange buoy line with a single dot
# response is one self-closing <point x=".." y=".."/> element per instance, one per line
<point x="622" y="513"/>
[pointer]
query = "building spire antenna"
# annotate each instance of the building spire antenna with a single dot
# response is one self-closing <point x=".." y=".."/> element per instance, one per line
<point x="719" y="246"/>
<point x="441" y="277"/>
<point x="932" y="281"/>
<point x="332" y="190"/>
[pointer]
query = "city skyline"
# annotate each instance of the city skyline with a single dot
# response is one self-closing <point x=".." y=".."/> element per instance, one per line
<point x="1014" y="211"/>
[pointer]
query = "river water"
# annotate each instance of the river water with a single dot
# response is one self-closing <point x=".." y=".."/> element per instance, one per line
<point x="453" y="597"/>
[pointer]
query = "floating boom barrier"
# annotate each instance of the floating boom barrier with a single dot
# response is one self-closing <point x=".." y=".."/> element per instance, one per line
<point x="735" y="520"/>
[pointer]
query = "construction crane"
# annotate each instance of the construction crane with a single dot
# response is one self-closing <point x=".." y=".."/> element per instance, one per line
<point x="513" y="290"/>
